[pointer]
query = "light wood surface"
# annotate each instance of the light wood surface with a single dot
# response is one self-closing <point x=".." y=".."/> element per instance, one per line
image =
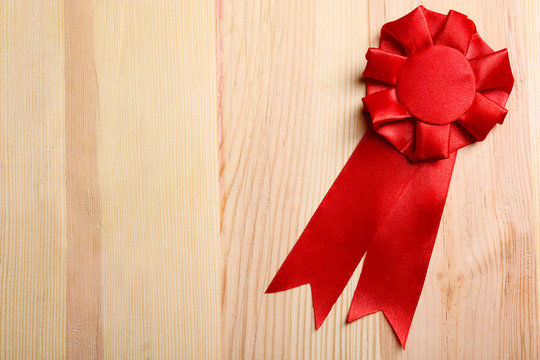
<point x="158" y="160"/>
<point x="158" y="171"/>
<point x="32" y="181"/>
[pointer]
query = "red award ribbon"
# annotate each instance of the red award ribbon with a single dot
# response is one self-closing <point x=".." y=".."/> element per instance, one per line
<point x="433" y="86"/>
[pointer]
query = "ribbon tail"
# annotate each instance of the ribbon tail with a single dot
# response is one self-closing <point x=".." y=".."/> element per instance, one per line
<point x="398" y="256"/>
<point x="337" y="236"/>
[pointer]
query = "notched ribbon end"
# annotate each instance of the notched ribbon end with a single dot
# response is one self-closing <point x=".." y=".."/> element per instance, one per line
<point x="399" y="326"/>
<point x="321" y="305"/>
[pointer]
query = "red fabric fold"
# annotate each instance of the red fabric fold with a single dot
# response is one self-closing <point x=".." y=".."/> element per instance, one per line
<point x="383" y="66"/>
<point x="492" y="71"/>
<point x="477" y="47"/>
<point x="432" y="141"/>
<point x="384" y="107"/>
<point x="459" y="137"/>
<point x="401" y="134"/>
<point x="457" y="32"/>
<point x="377" y="85"/>
<point x="406" y="35"/>
<point x="434" y="20"/>
<point x="493" y="76"/>
<point x="482" y="117"/>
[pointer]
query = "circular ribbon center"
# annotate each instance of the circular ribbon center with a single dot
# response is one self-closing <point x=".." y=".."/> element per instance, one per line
<point x="436" y="84"/>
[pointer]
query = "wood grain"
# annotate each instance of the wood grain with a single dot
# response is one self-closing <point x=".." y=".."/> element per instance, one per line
<point x="158" y="178"/>
<point x="532" y="10"/>
<point x="32" y="181"/>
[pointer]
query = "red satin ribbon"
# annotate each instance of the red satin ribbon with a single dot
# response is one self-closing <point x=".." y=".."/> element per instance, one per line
<point x="433" y="87"/>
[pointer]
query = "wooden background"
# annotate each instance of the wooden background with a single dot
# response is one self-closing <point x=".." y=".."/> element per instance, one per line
<point x="159" y="158"/>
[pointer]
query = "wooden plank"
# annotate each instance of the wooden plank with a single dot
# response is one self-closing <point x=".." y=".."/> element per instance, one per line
<point x="83" y="263"/>
<point x="291" y="118"/>
<point x="479" y="300"/>
<point x="532" y="10"/>
<point x="32" y="181"/>
<point x="291" y="104"/>
<point x="158" y="178"/>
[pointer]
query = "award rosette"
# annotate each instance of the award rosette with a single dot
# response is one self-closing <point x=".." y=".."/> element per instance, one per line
<point x="433" y="87"/>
